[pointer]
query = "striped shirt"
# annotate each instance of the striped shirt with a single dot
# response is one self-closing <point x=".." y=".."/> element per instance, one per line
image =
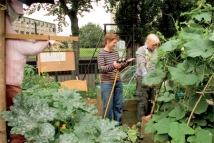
<point x="106" y="68"/>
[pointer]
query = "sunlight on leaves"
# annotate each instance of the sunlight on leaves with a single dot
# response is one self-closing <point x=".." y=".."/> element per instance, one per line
<point x="170" y="45"/>
<point x="154" y="77"/>
<point x="199" y="47"/>
<point x="187" y="79"/>
<point x="201" y="136"/>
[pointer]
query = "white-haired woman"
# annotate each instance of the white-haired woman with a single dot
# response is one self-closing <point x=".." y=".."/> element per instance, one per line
<point x="144" y="55"/>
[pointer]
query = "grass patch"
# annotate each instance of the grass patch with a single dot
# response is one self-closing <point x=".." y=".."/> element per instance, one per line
<point x="84" y="52"/>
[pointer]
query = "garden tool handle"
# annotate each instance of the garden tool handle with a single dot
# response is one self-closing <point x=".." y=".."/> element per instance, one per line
<point x="110" y="96"/>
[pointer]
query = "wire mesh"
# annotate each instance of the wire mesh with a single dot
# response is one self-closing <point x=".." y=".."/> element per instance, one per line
<point x="128" y="75"/>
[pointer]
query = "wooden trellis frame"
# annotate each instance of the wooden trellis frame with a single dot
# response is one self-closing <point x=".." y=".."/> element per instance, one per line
<point x="40" y="37"/>
<point x="3" y="134"/>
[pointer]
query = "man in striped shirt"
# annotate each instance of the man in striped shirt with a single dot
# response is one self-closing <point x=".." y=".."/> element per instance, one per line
<point x="144" y="55"/>
<point x="108" y="66"/>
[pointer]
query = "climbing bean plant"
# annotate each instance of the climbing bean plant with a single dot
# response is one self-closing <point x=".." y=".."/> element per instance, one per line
<point x="185" y="80"/>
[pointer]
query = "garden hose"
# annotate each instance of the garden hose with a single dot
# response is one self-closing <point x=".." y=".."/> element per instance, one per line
<point x="112" y="90"/>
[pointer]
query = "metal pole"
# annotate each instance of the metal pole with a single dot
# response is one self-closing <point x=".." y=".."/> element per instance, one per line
<point x="56" y="76"/>
<point x="133" y="43"/>
<point x="93" y="55"/>
<point x="104" y="29"/>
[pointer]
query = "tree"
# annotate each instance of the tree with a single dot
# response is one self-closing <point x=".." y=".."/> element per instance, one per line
<point x="70" y="8"/>
<point x="151" y="16"/>
<point x="89" y="35"/>
<point x="171" y="10"/>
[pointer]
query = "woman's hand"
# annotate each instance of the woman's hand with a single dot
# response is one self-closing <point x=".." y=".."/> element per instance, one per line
<point x="52" y="42"/>
<point x="117" y="65"/>
<point x="149" y="86"/>
<point x="130" y="60"/>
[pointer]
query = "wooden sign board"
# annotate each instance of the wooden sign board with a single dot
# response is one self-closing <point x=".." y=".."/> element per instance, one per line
<point x="51" y="61"/>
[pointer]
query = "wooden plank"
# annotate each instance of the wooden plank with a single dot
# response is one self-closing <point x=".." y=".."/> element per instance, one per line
<point x="129" y="118"/>
<point x="52" y="66"/>
<point x="130" y="105"/>
<point x="81" y="85"/>
<point x="3" y="136"/>
<point x="41" y="37"/>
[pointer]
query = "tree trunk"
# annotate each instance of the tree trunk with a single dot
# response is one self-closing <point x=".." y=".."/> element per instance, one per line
<point x="3" y="137"/>
<point x="75" y="32"/>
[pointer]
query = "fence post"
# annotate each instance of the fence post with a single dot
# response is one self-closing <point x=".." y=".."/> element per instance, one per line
<point x="56" y="76"/>
<point x="3" y="135"/>
<point x="95" y="71"/>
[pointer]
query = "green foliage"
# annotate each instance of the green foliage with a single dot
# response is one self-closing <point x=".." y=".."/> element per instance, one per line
<point x="132" y="133"/>
<point x="31" y="79"/>
<point x="92" y="93"/>
<point x="201" y="136"/>
<point x="171" y="10"/>
<point x="49" y="115"/>
<point x="155" y="73"/>
<point x="89" y="35"/>
<point x="125" y="17"/>
<point x="129" y="91"/>
<point x="66" y="45"/>
<point x="187" y="61"/>
<point x="178" y="131"/>
<point x="151" y="16"/>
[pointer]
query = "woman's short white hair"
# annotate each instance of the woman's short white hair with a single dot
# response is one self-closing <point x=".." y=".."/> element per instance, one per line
<point x="152" y="38"/>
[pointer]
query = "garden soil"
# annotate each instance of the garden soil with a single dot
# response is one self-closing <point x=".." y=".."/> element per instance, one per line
<point x="98" y="106"/>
